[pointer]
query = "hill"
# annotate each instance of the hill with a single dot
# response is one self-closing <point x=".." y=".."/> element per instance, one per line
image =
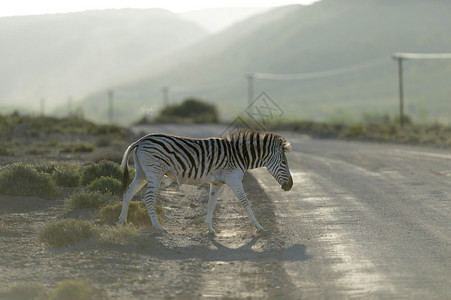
<point x="71" y="55"/>
<point x="328" y="35"/>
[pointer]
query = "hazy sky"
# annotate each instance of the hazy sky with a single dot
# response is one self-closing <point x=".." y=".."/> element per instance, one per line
<point x="33" y="7"/>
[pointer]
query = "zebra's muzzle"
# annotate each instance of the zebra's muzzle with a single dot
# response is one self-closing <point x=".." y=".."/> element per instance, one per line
<point x="287" y="186"/>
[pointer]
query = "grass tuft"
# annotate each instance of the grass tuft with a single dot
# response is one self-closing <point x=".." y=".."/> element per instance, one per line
<point x="76" y="290"/>
<point x="30" y="290"/>
<point x="103" y="168"/>
<point x="87" y="199"/>
<point x="137" y="213"/>
<point x="20" y="179"/>
<point x="66" y="232"/>
<point x="107" y="185"/>
<point x="120" y="235"/>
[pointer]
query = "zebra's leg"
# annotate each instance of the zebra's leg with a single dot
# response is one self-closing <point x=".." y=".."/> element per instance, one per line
<point x="237" y="188"/>
<point x="138" y="182"/>
<point x="214" y="191"/>
<point x="153" y="184"/>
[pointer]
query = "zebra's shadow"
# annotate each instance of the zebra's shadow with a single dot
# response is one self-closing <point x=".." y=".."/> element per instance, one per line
<point x="220" y="252"/>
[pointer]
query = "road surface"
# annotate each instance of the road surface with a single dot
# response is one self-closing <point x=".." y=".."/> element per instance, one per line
<point x="374" y="219"/>
<point x="363" y="220"/>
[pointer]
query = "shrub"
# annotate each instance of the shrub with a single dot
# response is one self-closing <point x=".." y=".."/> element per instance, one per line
<point x="97" y="170"/>
<point x="66" y="232"/>
<point x="75" y="290"/>
<point x="78" y="148"/>
<point x="66" y="175"/>
<point x="21" y="291"/>
<point x="137" y="213"/>
<point x="106" y="184"/>
<point x="63" y="174"/>
<point x="88" y="200"/>
<point x="189" y="111"/>
<point x="120" y="235"/>
<point x="23" y="180"/>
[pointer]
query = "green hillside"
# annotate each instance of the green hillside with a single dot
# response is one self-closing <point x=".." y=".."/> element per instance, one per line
<point x="58" y="56"/>
<point x="329" y="35"/>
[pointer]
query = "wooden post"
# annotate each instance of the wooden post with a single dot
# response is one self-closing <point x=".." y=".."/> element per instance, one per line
<point x="250" y="88"/>
<point x="110" y="105"/>
<point x="165" y="96"/>
<point x="401" y="93"/>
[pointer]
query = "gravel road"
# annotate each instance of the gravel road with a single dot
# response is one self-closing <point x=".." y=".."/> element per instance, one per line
<point x="375" y="220"/>
<point x="363" y="220"/>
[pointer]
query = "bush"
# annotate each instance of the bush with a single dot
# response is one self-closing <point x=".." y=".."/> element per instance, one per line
<point x="21" y="291"/>
<point x="107" y="185"/>
<point x="120" y="235"/>
<point x="189" y="111"/>
<point x="137" y="213"/>
<point x="63" y="174"/>
<point x="76" y="290"/>
<point x="67" y="175"/>
<point x="23" y="180"/>
<point x="78" y="148"/>
<point x="88" y="200"/>
<point x="97" y="170"/>
<point x="66" y="233"/>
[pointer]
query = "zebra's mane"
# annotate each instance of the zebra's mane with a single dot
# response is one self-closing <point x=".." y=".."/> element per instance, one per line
<point x="244" y="135"/>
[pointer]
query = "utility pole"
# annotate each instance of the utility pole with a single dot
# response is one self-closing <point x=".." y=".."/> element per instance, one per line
<point x="42" y="107"/>
<point x="70" y="114"/>
<point x="399" y="57"/>
<point x="250" y="88"/>
<point x="165" y="91"/>
<point x="110" y="105"/>
<point x="401" y="92"/>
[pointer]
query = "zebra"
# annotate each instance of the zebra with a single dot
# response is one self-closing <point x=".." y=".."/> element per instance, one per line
<point x="216" y="161"/>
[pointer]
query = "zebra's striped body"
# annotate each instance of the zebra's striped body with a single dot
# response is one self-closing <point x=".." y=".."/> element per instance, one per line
<point x="217" y="161"/>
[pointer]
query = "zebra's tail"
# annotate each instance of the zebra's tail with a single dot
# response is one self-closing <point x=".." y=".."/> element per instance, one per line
<point x="124" y="166"/>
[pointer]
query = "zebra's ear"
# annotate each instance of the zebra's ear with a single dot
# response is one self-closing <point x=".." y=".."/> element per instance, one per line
<point x="286" y="146"/>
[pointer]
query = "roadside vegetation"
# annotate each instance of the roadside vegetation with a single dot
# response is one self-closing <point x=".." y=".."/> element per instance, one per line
<point x="64" y="290"/>
<point x="190" y="111"/>
<point x="93" y="186"/>
<point x="382" y="129"/>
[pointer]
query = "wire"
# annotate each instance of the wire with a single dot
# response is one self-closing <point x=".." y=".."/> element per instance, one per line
<point x="314" y="75"/>
<point x="400" y="55"/>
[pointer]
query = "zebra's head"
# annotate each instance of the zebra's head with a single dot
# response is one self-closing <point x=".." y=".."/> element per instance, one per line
<point x="277" y="164"/>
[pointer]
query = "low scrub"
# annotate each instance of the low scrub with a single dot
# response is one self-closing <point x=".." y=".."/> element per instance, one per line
<point x="137" y="213"/>
<point x="189" y="111"/>
<point x="76" y="290"/>
<point x="102" y="168"/>
<point x="30" y="290"/>
<point x="127" y="235"/>
<point x="67" y="175"/>
<point x="20" y="179"/>
<point x="66" y="232"/>
<point x="63" y="174"/>
<point x="78" y="148"/>
<point x="107" y="185"/>
<point x="87" y="199"/>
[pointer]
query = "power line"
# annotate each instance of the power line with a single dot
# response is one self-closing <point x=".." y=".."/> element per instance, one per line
<point x="321" y="74"/>
<point x="401" y="55"/>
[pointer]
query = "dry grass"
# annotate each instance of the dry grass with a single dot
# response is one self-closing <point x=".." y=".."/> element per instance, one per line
<point x="76" y="290"/>
<point x="87" y="199"/>
<point x="137" y="213"/>
<point x="24" y="180"/>
<point x="67" y="232"/>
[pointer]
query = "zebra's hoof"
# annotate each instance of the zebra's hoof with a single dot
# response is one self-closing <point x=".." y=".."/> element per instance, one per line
<point x="260" y="229"/>
<point x="162" y="230"/>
